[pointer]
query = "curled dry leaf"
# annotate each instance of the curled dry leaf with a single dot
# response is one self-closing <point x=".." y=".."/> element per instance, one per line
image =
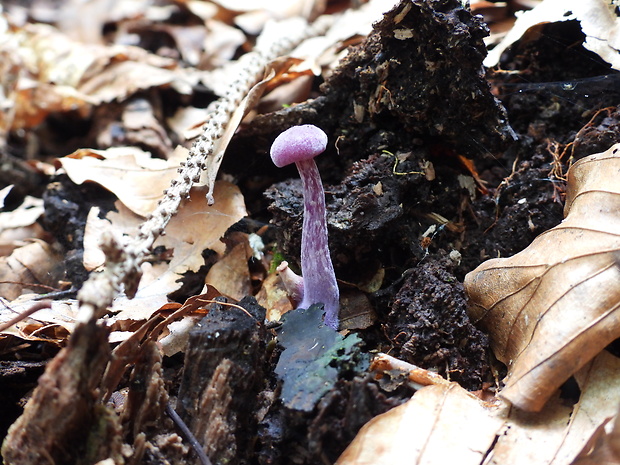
<point x="51" y="323"/>
<point x="231" y="275"/>
<point x="604" y="446"/>
<point x="274" y="297"/>
<point x="557" y="434"/>
<point x="25" y="215"/>
<point x="552" y="307"/>
<point x="17" y="227"/>
<point x="50" y="73"/>
<point x="32" y="267"/>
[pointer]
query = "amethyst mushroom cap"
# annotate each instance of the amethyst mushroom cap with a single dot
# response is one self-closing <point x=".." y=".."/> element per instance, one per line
<point x="299" y="145"/>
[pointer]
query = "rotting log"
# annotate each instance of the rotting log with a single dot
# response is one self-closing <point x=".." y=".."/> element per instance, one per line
<point x="223" y="375"/>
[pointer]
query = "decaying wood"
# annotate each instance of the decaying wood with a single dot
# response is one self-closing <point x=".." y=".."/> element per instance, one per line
<point x="63" y="422"/>
<point x="223" y="375"/>
<point x="147" y="397"/>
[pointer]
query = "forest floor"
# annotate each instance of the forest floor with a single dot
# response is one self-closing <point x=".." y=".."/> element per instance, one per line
<point x="434" y="165"/>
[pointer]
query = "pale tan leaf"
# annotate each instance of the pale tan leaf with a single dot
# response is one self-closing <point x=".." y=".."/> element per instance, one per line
<point x="446" y="424"/>
<point x="600" y="380"/>
<point x="27" y="267"/>
<point x="57" y="74"/>
<point x="440" y="424"/>
<point x="137" y="179"/>
<point x="231" y="275"/>
<point x="604" y="446"/>
<point x="20" y="225"/>
<point x="557" y="434"/>
<point x="352" y="23"/>
<point x="274" y="297"/>
<point x="195" y="228"/>
<point x="221" y="44"/>
<point x="34" y="102"/>
<point x="25" y="215"/>
<point x="187" y="122"/>
<point x="120" y="80"/>
<point x="176" y="340"/>
<point x="13" y="238"/>
<point x="552" y="307"/>
<point x="291" y="9"/>
<point x="50" y="324"/>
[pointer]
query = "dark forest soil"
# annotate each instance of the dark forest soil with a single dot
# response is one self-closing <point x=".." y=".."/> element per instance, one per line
<point x="421" y="306"/>
<point x="439" y="167"/>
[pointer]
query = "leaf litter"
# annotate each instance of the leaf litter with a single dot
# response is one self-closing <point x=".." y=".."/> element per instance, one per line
<point x="43" y="92"/>
<point x="552" y="307"/>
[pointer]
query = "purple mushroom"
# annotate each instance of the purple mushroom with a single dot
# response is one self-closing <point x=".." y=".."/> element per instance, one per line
<point x="299" y="145"/>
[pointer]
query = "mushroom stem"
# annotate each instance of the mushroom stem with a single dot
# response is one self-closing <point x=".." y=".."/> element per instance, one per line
<point x="293" y="283"/>
<point x="317" y="270"/>
<point x="299" y="145"/>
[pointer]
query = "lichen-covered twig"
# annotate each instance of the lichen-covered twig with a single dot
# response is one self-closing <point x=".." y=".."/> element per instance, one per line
<point x="123" y="261"/>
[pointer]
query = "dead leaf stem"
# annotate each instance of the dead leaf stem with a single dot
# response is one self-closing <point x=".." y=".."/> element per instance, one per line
<point x="25" y="314"/>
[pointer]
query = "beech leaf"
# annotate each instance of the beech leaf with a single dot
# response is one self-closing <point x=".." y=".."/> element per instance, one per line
<point x="195" y="228"/>
<point x="554" y="306"/>
<point x="133" y="175"/>
<point x="444" y="424"/>
<point x="440" y="424"/>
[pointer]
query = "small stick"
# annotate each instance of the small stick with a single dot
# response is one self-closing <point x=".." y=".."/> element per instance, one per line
<point x="204" y="460"/>
<point x="26" y="313"/>
<point x="419" y="376"/>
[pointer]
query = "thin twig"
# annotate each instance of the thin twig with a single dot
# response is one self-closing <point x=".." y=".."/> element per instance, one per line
<point x="202" y="456"/>
<point x="42" y="304"/>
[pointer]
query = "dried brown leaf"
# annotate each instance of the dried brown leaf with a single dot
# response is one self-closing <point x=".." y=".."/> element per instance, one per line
<point x="51" y="73"/>
<point x="129" y="349"/>
<point x="604" y="446"/>
<point x="121" y="79"/>
<point x="552" y="307"/>
<point x="137" y="179"/>
<point x="28" y="267"/>
<point x="440" y="424"/>
<point x="195" y="228"/>
<point x="20" y="225"/>
<point x="49" y="324"/>
<point x="356" y="310"/>
<point x="274" y="297"/>
<point x="557" y="434"/>
<point x="25" y="215"/>
<point x="444" y="424"/>
<point x="231" y="275"/>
